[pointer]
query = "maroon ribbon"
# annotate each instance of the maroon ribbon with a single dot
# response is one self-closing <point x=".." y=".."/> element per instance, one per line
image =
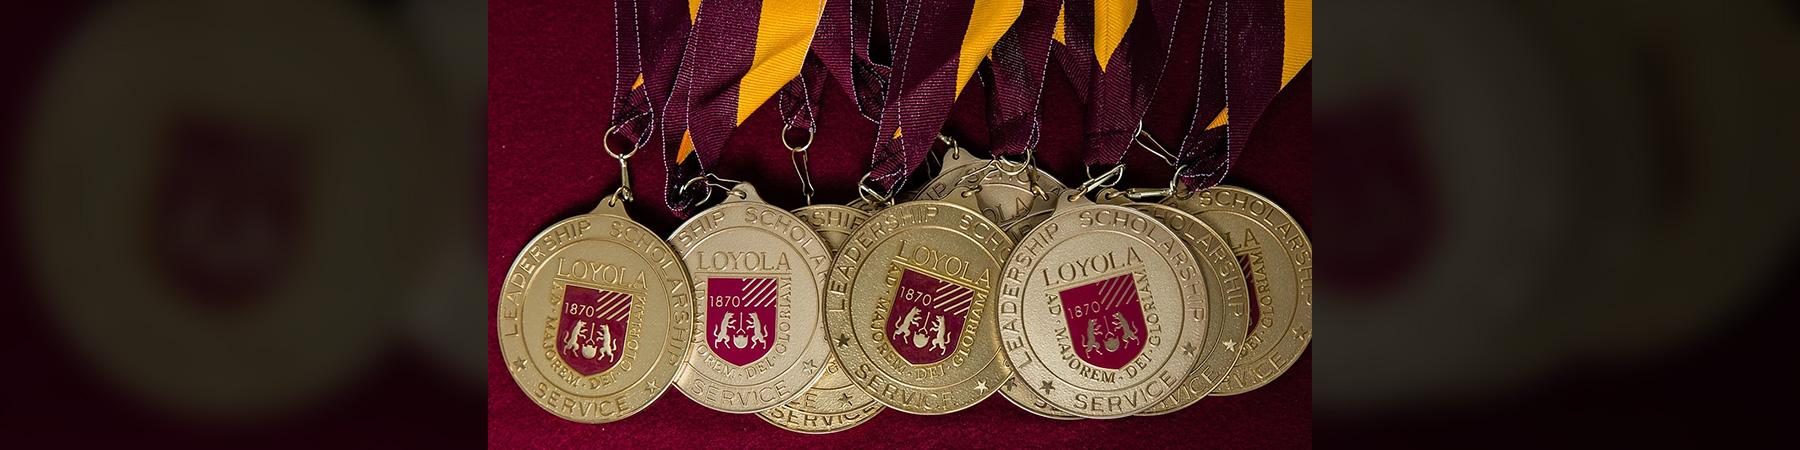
<point x="842" y="46"/>
<point x="654" y="28"/>
<point x="1202" y="152"/>
<point x="1247" y="62"/>
<point x="1016" y="79"/>
<point x="1118" y="96"/>
<point x="798" y="100"/>
<point x="719" y="49"/>
<point x="925" y="37"/>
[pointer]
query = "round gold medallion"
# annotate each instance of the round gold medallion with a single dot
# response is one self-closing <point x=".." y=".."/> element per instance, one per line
<point x="595" y="316"/>
<point x="1276" y="260"/>
<point x="834" y="403"/>
<point x="1102" y="309"/>
<point x="757" y="271"/>
<point x="1006" y="187"/>
<point x="1226" y="298"/>
<point x="909" y="306"/>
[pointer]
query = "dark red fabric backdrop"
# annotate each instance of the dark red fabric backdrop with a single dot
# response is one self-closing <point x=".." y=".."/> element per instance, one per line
<point x="549" y="88"/>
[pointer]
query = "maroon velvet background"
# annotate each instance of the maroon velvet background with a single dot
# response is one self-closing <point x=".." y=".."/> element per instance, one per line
<point x="549" y="87"/>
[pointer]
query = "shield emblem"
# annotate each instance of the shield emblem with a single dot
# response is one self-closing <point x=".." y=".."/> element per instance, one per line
<point x="926" y="319"/>
<point x="1105" y="321"/>
<point x="592" y="328"/>
<point x="740" y="317"/>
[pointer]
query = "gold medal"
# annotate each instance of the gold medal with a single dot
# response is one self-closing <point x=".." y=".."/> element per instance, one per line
<point x="834" y="403"/>
<point x="595" y="316"/>
<point x="1008" y="190"/>
<point x="1276" y="260"/>
<point x="909" y="306"/>
<point x="1226" y="299"/>
<point x="757" y="270"/>
<point x="1102" y="309"/>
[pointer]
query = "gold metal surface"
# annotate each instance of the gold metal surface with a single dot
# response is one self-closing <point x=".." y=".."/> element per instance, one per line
<point x="1013" y="391"/>
<point x="1006" y="191"/>
<point x="834" y="403"/>
<point x="1226" y="297"/>
<point x="950" y="245"/>
<point x="1276" y="258"/>
<point x="600" y="251"/>
<point x="747" y="253"/>
<point x="1126" y="276"/>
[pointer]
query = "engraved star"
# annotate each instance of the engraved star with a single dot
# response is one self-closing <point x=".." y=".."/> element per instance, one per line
<point x="650" y="387"/>
<point x="1231" y="345"/>
<point x="845" y="398"/>
<point x="1047" y="387"/>
<point x="981" y="386"/>
<point x="843" y="341"/>
<point x="1188" y="349"/>
<point x="519" y="365"/>
<point x="809" y="367"/>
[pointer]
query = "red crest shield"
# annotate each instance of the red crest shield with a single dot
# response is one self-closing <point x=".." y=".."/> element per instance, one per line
<point x="591" y="332"/>
<point x="926" y="319"/>
<point x="740" y="317"/>
<point x="1105" y="321"/>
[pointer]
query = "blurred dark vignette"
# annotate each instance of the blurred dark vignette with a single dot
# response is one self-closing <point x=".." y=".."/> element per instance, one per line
<point x="242" y="224"/>
<point x="255" y="224"/>
<point x="1549" y="223"/>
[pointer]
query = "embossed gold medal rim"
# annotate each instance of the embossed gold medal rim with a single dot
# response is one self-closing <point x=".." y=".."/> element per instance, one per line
<point x="1192" y="332"/>
<point x="1048" y="411"/>
<point x="788" y="408"/>
<point x="1017" y="229"/>
<point x="953" y="175"/>
<point x="1302" y="290"/>
<point x="861" y="217"/>
<point x="1220" y="324"/>
<point x="812" y="341"/>
<point x="858" y="353"/>
<point x="662" y="371"/>
<point x="803" y="212"/>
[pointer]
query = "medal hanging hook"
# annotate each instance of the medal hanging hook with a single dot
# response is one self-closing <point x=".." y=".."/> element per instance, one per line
<point x="971" y="179"/>
<point x="709" y="182"/>
<point x="623" y="194"/>
<point x="954" y="151"/>
<point x="1144" y="140"/>
<point x="870" y="195"/>
<point x="1029" y="166"/>
<point x="1173" y="189"/>
<point x="1105" y="180"/>
<point x="801" y="164"/>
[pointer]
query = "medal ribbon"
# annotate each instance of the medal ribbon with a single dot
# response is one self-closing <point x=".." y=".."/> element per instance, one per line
<point x="798" y="101"/>
<point x="842" y="46"/>
<point x="740" y="52"/>
<point x="931" y="64"/>
<point x="1016" y="69"/>
<point x="641" y="85"/>
<point x="1260" y="46"/>
<point x="1115" y="61"/>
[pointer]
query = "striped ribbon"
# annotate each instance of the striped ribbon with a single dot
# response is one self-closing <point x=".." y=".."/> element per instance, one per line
<point x="641" y="85"/>
<point x="936" y="46"/>
<point x="842" y="47"/>
<point x="1015" y="79"/>
<point x="739" y="54"/>
<point x="1115" y="60"/>
<point x="1253" y="48"/>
